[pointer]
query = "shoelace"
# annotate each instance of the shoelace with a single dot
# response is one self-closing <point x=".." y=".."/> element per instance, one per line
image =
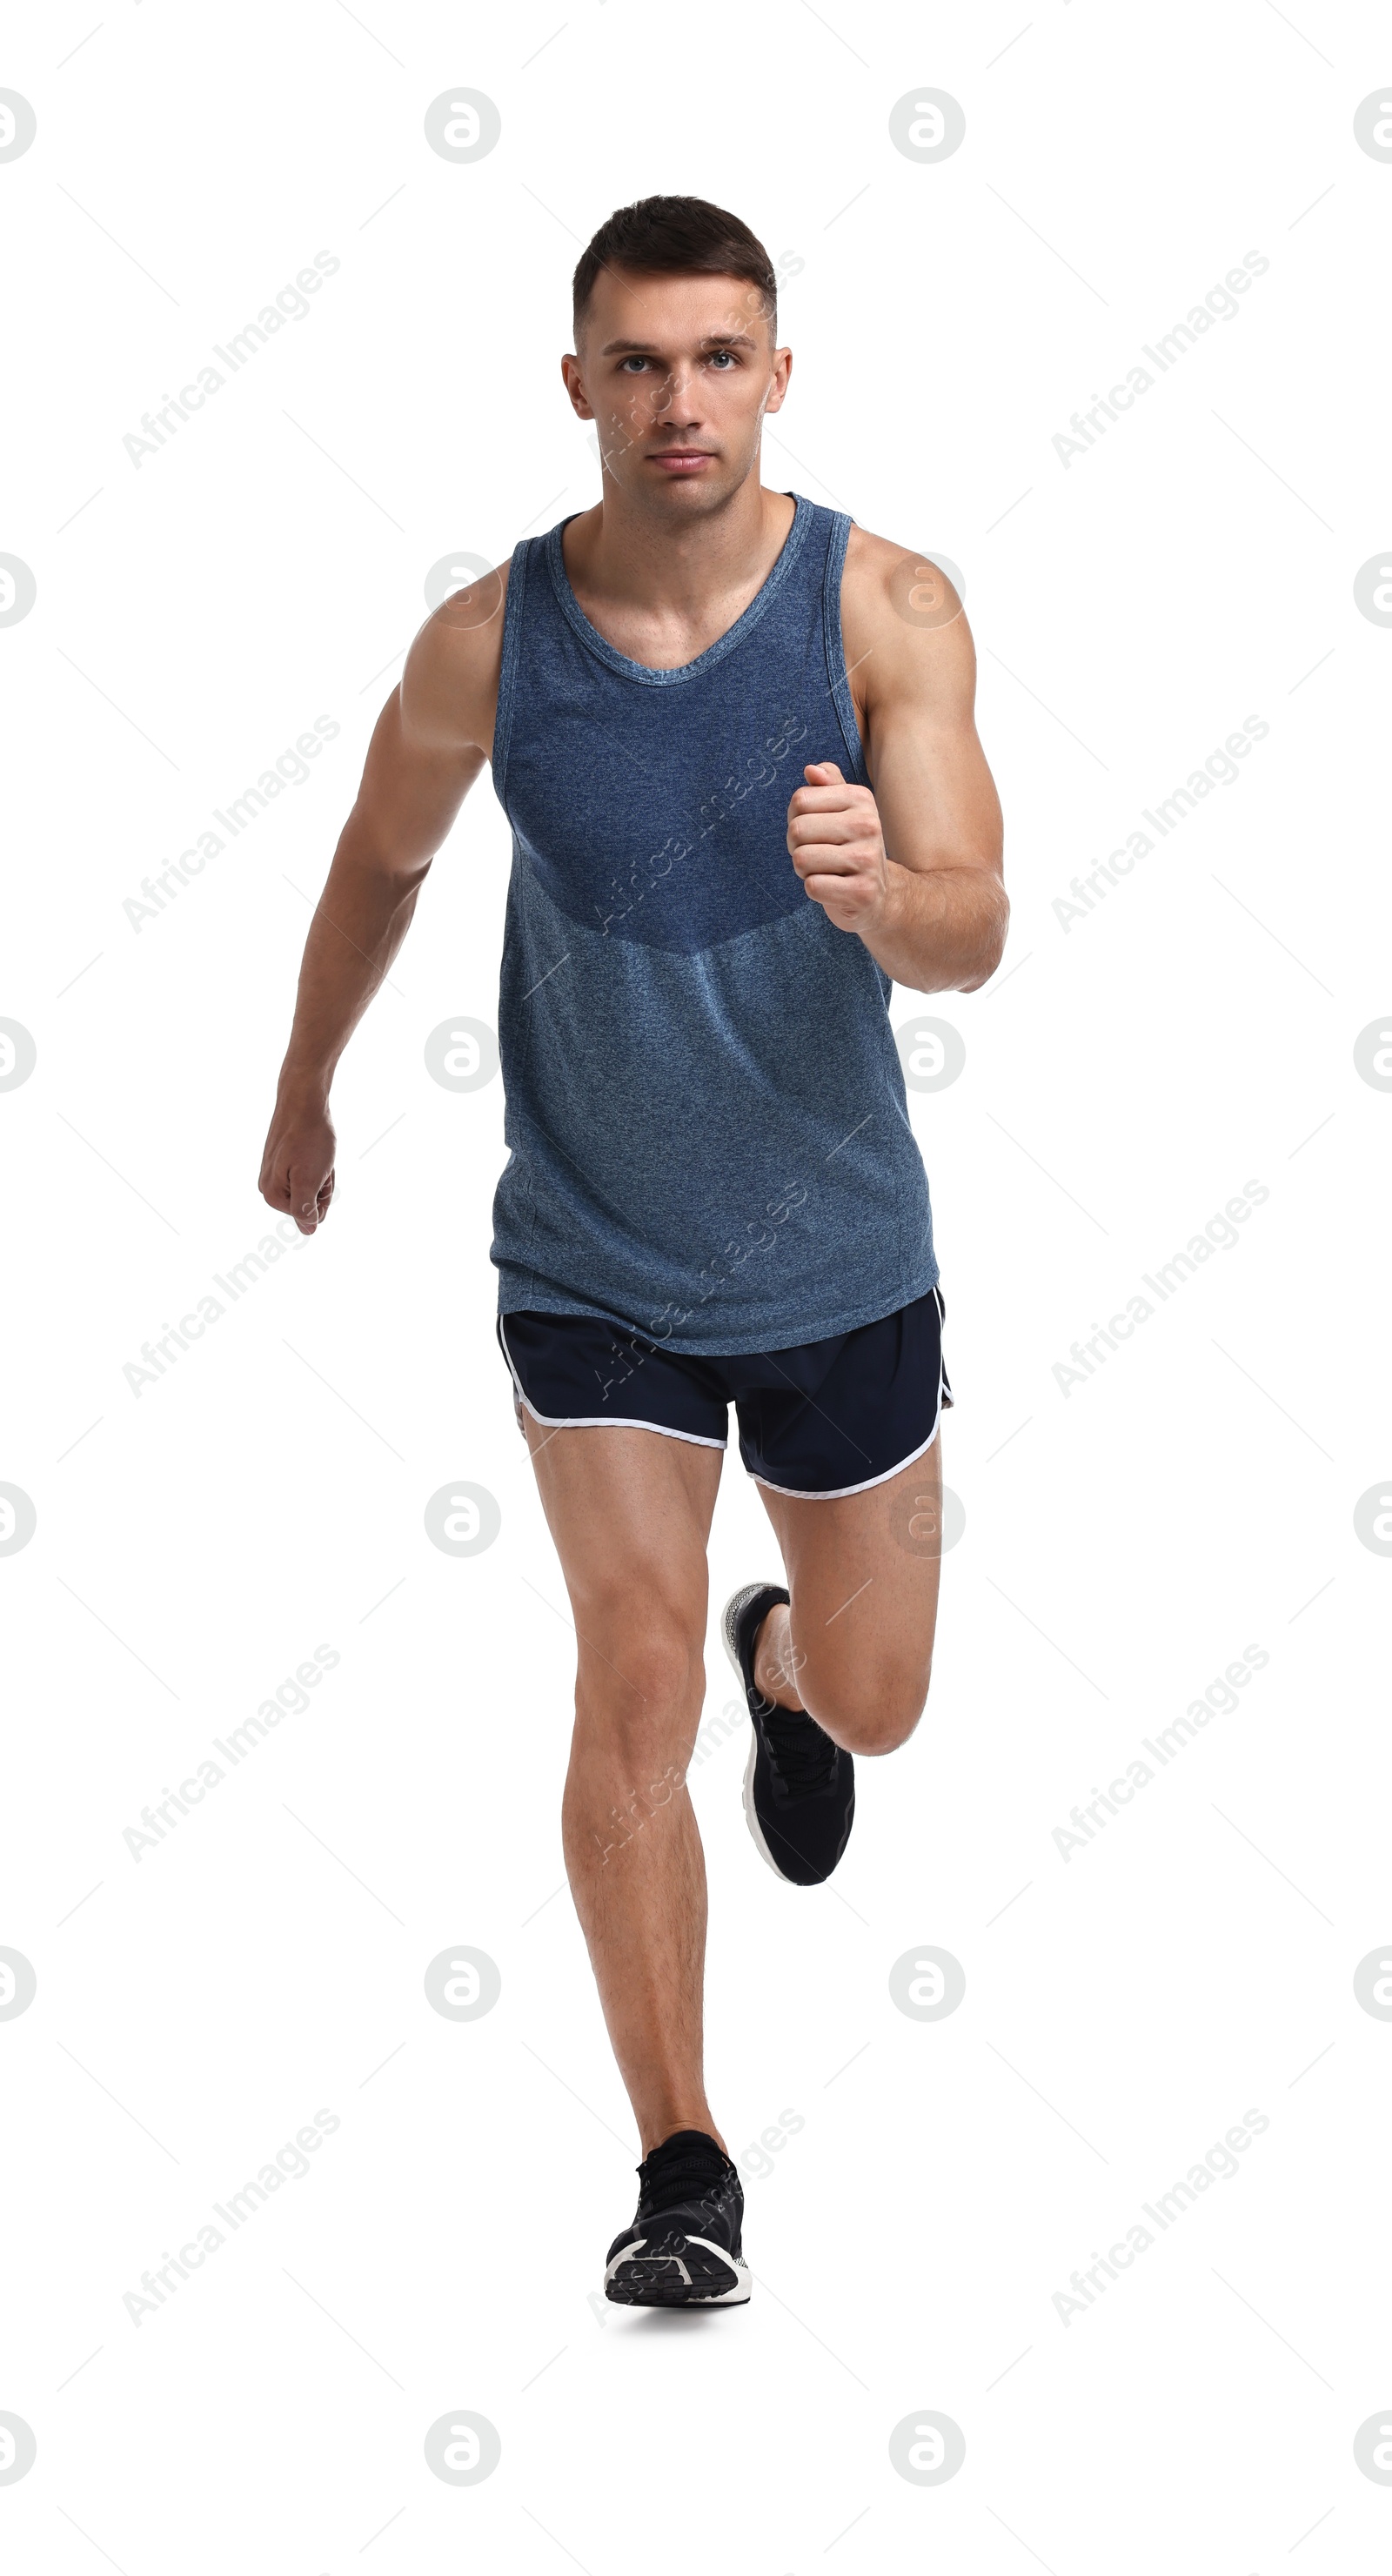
<point x="803" y="1754"/>
<point x="685" y="2178"/>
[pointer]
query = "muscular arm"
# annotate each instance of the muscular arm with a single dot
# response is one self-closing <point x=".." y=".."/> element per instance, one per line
<point x="913" y="865"/>
<point x="427" y="748"/>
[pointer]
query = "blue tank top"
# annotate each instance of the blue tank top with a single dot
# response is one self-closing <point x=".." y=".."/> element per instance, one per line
<point x="705" y="1113"/>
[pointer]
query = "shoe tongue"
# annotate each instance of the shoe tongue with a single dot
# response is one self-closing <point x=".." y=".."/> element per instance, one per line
<point x="684" y="2147"/>
<point x="687" y="2166"/>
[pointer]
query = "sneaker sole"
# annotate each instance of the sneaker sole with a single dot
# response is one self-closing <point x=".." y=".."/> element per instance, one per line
<point x="689" y="2273"/>
<point x="750" y="1815"/>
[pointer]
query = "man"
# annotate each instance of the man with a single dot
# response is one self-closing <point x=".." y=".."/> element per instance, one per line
<point x="713" y="1193"/>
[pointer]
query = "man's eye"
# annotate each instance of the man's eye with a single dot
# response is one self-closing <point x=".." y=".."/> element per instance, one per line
<point x="722" y="358"/>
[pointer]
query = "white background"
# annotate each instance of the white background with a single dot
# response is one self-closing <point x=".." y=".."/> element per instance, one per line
<point x="1124" y="1542"/>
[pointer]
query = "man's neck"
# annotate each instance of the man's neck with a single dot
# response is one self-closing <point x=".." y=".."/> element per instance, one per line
<point x="668" y="564"/>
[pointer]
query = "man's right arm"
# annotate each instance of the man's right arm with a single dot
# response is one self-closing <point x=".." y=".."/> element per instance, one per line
<point x="429" y="744"/>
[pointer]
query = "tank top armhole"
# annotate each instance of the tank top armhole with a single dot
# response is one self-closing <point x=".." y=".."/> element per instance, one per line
<point x="507" y="674"/>
<point x="835" y="643"/>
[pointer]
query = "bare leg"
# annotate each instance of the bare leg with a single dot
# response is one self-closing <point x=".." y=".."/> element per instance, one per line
<point x="630" y="1513"/>
<point x="855" y="1646"/>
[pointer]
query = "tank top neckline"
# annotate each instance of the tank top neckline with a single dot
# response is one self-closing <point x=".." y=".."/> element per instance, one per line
<point x="733" y="636"/>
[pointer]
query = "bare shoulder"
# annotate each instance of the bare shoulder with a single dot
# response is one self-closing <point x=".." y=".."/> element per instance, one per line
<point x="902" y="622"/>
<point x="449" y="687"/>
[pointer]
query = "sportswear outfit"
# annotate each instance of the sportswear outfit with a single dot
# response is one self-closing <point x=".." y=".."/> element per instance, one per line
<point x="713" y="1194"/>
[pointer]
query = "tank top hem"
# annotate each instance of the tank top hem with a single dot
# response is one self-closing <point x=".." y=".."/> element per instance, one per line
<point x="786" y="1334"/>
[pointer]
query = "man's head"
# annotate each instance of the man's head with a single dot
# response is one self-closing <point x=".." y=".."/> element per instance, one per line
<point x="675" y="350"/>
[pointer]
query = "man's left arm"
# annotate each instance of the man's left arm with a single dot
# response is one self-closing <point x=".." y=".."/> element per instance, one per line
<point x="913" y="865"/>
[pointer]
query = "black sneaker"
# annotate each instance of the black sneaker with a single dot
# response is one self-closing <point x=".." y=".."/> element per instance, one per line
<point x="799" y="1788"/>
<point x="683" y="2249"/>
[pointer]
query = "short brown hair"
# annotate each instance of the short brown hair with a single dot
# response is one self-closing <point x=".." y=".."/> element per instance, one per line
<point x="662" y="234"/>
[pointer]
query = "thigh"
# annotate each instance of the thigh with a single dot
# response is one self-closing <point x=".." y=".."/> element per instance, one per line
<point x="630" y="1513"/>
<point x="863" y="1575"/>
<point x="627" y="1440"/>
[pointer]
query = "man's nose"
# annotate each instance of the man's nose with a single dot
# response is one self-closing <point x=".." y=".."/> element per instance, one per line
<point x="676" y="398"/>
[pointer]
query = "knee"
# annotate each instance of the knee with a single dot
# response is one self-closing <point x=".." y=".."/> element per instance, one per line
<point x="640" y="1677"/>
<point x="873" y="1712"/>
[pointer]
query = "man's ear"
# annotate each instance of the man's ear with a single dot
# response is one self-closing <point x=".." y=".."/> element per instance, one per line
<point x="778" y="390"/>
<point x="574" y="383"/>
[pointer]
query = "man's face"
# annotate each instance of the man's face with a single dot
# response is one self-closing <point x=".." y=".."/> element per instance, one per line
<point x="677" y="373"/>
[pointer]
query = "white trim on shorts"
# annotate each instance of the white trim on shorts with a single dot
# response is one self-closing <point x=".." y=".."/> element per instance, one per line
<point x="797" y="1495"/>
<point x="599" y="1421"/>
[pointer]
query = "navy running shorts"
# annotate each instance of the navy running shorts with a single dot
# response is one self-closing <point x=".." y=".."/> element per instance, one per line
<point x="824" y="1419"/>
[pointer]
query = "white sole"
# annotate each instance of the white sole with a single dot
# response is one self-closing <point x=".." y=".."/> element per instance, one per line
<point x="735" y="2297"/>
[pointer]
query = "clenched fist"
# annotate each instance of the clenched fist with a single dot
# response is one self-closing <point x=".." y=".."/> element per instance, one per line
<point x="297" y="1168"/>
<point x="837" y="847"/>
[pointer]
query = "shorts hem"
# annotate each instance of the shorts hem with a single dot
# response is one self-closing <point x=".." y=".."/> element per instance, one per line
<point x="599" y="1421"/>
<point x="839" y="1493"/>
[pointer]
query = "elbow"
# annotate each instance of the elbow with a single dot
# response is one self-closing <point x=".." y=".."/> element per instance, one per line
<point x="990" y="947"/>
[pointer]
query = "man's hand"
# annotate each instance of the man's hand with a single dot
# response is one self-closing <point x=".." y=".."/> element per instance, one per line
<point x="297" y="1168"/>
<point x="837" y="847"/>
